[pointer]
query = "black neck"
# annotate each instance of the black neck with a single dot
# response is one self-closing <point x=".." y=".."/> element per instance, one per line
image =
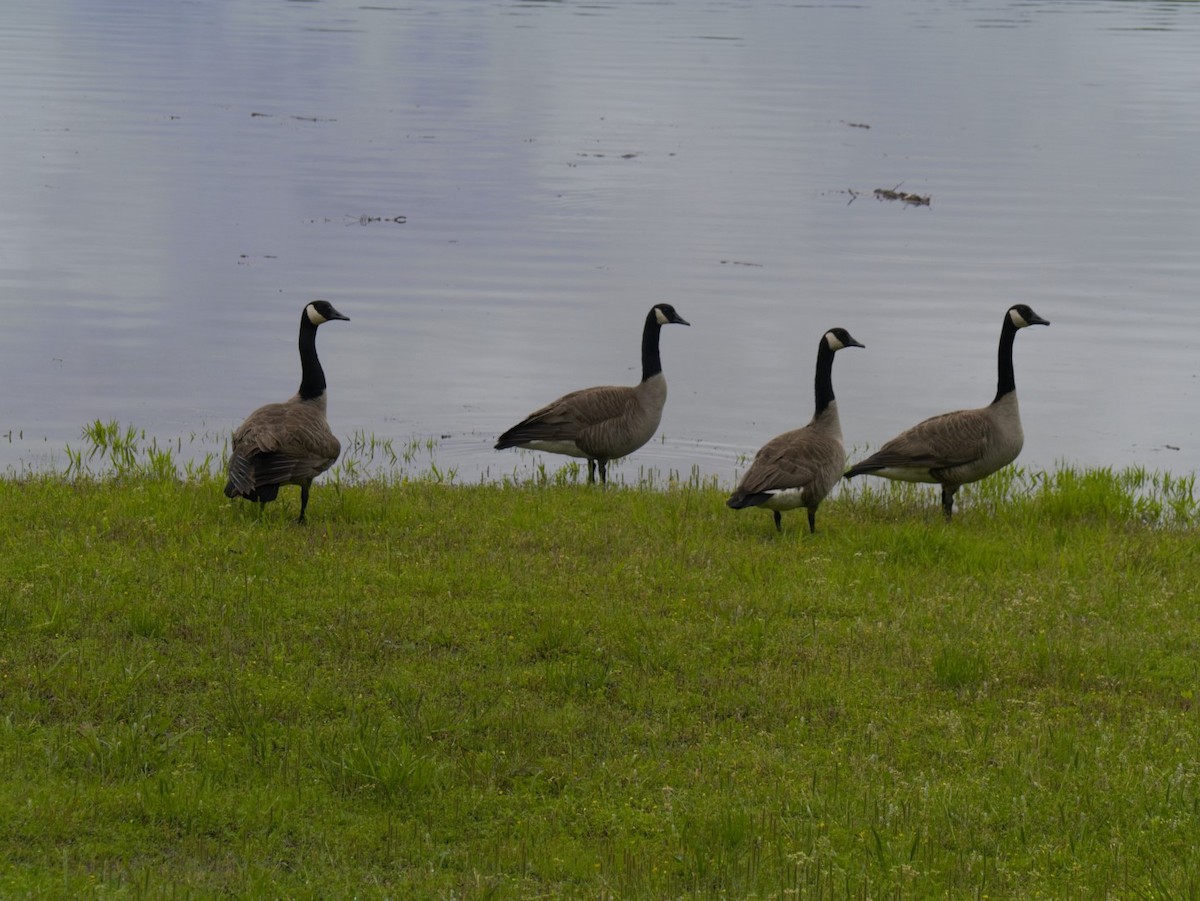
<point x="651" y="361"/>
<point x="1005" y="381"/>
<point x="312" y="376"/>
<point x="824" y="379"/>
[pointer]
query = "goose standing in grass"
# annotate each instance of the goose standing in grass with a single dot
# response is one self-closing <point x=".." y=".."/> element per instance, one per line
<point x="288" y="443"/>
<point x="605" y="422"/>
<point x="799" y="468"/>
<point x="957" y="448"/>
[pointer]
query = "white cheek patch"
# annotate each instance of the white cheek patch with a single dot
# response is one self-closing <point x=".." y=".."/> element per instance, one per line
<point x="832" y="340"/>
<point x="658" y="314"/>
<point x="1017" y="319"/>
<point x="313" y="316"/>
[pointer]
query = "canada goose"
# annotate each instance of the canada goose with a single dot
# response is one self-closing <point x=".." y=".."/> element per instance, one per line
<point x="800" y="467"/>
<point x="961" y="447"/>
<point x="605" y="422"/>
<point x="288" y="443"/>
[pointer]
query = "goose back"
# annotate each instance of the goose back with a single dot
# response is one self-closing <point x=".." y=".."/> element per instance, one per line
<point x="279" y="444"/>
<point x="953" y="448"/>
<point x="607" y="421"/>
<point x="796" y="469"/>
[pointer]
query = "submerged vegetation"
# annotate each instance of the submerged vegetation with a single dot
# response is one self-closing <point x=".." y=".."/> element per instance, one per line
<point x="537" y="689"/>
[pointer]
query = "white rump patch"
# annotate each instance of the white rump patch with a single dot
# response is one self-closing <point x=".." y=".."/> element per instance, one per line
<point x="784" y="499"/>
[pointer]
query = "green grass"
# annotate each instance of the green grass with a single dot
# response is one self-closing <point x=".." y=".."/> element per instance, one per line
<point x="547" y="690"/>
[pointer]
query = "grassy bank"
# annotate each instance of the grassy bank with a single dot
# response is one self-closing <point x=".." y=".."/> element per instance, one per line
<point x="549" y="690"/>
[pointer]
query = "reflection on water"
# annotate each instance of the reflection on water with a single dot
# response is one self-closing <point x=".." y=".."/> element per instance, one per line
<point x="494" y="193"/>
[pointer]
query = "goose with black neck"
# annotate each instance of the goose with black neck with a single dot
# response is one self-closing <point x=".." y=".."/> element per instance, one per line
<point x="799" y="468"/>
<point x="958" y="448"/>
<point x="606" y="422"/>
<point x="288" y="443"/>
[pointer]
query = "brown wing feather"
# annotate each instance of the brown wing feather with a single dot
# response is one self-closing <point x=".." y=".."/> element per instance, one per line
<point x="280" y="444"/>
<point x="794" y="459"/>
<point x="579" y="416"/>
<point x="940" y="442"/>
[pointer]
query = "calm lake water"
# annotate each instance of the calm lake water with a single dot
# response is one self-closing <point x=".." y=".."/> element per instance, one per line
<point x="497" y="192"/>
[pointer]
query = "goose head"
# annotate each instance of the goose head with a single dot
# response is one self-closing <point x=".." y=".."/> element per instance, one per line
<point x="837" y="338"/>
<point x="664" y="313"/>
<point x="319" y="311"/>
<point x="1022" y="315"/>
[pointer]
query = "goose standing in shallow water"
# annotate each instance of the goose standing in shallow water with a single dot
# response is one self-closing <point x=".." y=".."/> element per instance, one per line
<point x="288" y="443"/>
<point x="605" y="422"/>
<point x="965" y="446"/>
<point x="799" y="468"/>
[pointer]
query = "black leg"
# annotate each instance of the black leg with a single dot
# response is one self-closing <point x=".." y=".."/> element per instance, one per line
<point x="778" y="521"/>
<point x="591" y="470"/>
<point x="812" y="521"/>
<point x="603" y="472"/>
<point x="948" y="501"/>
<point x="303" y="499"/>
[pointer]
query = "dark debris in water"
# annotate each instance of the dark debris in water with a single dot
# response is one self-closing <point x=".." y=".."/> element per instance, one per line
<point x="910" y="199"/>
<point x="255" y="115"/>
<point x="881" y="194"/>
<point x="366" y="219"/>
